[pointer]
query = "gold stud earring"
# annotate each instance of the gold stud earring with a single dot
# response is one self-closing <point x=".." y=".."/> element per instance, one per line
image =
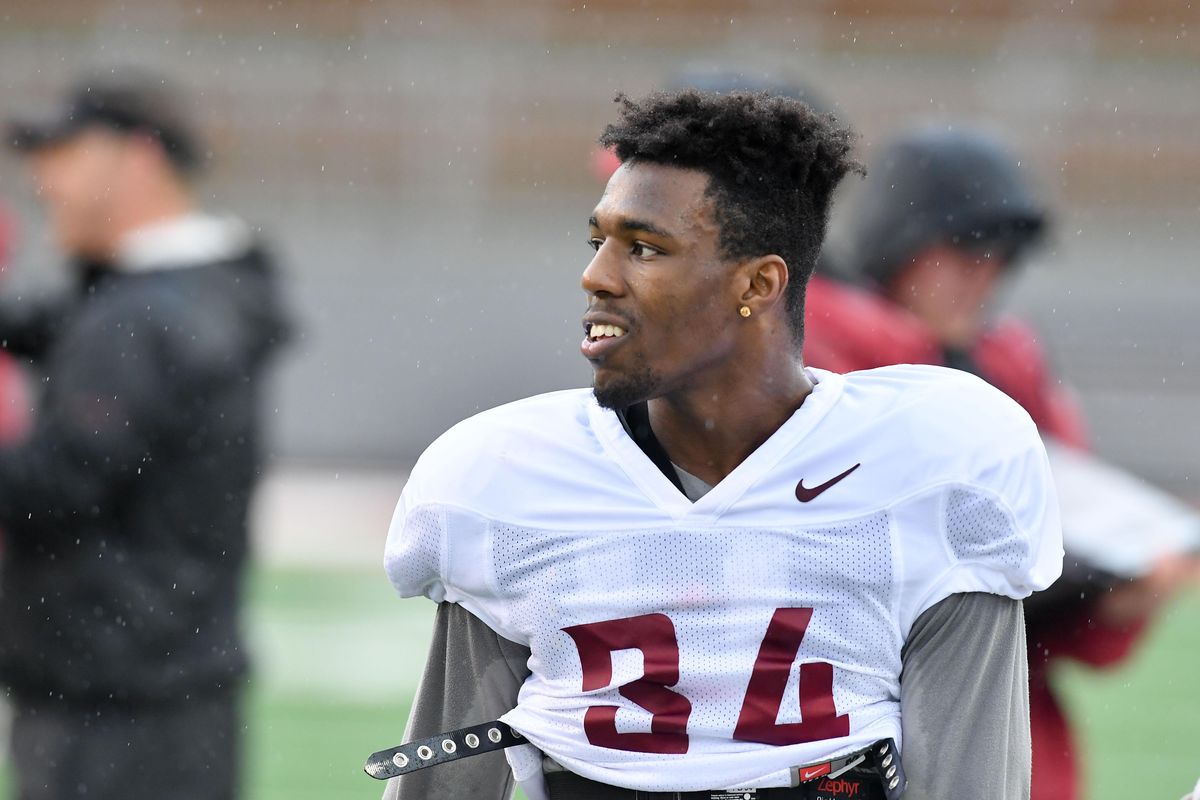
<point x="744" y="311"/>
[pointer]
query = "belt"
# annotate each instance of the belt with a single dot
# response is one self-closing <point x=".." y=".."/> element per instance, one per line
<point x="872" y="773"/>
<point x="846" y="788"/>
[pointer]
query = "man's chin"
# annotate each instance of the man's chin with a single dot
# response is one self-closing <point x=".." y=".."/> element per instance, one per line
<point x="621" y="391"/>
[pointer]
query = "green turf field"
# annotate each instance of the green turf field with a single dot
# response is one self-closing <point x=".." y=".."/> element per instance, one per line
<point x="338" y="655"/>
<point x="1140" y="724"/>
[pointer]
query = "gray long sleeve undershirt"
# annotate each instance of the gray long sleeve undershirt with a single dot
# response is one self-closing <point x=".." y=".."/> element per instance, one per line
<point x="964" y="700"/>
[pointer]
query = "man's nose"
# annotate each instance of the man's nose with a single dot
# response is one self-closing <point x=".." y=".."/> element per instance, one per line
<point x="602" y="275"/>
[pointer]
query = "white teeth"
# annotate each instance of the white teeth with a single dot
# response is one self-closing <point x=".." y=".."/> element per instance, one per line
<point x="597" y="331"/>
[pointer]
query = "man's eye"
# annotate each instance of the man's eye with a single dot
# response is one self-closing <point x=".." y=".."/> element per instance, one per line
<point x="595" y="243"/>
<point x="644" y="250"/>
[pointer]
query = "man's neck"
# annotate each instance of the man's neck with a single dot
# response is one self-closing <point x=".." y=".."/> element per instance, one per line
<point x="150" y="218"/>
<point x="156" y="208"/>
<point x="708" y="431"/>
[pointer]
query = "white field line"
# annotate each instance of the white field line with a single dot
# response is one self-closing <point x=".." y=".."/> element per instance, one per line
<point x="373" y="653"/>
<point x="306" y="516"/>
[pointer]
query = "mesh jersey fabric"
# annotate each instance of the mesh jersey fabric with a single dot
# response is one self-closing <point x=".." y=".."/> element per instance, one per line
<point x="548" y="523"/>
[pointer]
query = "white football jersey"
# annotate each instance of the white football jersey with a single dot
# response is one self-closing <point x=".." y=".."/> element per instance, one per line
<point x="686" y="646"/>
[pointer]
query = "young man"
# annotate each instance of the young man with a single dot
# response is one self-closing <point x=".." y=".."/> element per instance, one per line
<point x="123" y="514"/>
<point x="720" y="569"/>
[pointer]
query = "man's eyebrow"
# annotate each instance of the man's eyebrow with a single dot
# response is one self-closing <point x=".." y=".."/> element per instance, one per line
<point x="630" y="224"/>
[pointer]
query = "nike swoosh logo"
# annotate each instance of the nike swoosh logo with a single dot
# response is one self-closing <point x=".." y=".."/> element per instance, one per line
<point x="807" y="495"/>
<point x="808" y="773"/>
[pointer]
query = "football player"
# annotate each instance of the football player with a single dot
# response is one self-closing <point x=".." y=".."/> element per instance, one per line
<point x="719" y="573"/>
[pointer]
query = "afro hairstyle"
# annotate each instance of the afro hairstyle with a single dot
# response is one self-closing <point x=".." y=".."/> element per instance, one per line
<point x="772" y="163"/>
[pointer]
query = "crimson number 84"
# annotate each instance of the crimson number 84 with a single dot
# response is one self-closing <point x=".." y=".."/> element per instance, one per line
<point x="654" y="636"/>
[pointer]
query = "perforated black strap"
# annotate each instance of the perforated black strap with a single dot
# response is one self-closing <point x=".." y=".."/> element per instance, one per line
<point x="887" y="765"/>
<point x="881" y="760"/>
<point x="440" y="749"/>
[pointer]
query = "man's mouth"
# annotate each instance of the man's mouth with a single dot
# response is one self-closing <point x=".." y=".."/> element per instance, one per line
<point x="599" y="338"/>
<point x="596" y="332"/>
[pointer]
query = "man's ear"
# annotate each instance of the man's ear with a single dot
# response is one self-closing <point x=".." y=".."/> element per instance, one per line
<point x="763" y="282"/>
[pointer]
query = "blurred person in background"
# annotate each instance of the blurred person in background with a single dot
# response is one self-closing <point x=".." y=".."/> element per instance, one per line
<point x="124" y="511"/>
<point x="13" y="407"/>
<point x="943" y="221"/>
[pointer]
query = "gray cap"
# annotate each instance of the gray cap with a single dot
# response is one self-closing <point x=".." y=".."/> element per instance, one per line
<point x="959" y="187"/>
<point x="128" y="102"/>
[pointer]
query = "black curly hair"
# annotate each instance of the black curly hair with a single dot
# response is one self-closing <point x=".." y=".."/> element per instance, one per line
<point x="772" y="163"/>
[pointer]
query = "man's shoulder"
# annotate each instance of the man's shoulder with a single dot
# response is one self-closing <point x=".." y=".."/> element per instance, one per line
<point x="145" y="301"/>
<point x="112" y="315"/>
<point x="966" y="465"/>
<point x="927" y="395"/>
<point x="542" y="433"/>
<point x="849" y="327"/>
<point x="211" y="316"/>
<point x="909" y="377"/>
<point x="945" y="419"/>
<point x="541" y="416"/>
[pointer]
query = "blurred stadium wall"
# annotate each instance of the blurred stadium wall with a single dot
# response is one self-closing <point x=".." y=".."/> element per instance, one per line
<point x="423" y="169"/>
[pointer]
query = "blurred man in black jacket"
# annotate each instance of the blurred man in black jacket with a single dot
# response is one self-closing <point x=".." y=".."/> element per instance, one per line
<point x="124" y="512"/>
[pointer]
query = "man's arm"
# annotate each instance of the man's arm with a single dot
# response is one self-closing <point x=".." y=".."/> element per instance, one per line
<point x="472" y="675"/>
<point x="964" y="697"/>
<point x="108" y="398"/>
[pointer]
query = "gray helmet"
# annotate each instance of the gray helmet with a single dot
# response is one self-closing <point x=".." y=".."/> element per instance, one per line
<point x="960" y="187"/>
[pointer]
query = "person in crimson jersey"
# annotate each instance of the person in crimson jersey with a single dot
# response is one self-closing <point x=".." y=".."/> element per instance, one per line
<point x="719" y="572"/>
<point x="945" y="218"/>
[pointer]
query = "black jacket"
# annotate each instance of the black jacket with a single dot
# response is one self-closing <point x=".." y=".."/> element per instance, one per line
<point x="123" y="516"/>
